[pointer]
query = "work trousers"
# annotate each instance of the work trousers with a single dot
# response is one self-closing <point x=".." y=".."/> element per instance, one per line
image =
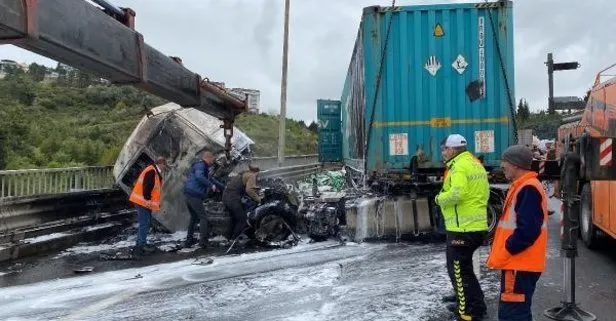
<point x="517" y="289"/>
<point x="460" y="249"/>
<point x="197" y="214"/>
<point x="144" y="219"/>
<point x="238" y="216"/>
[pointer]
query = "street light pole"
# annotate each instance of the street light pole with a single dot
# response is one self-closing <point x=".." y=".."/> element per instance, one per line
<point x="283" y="87"/>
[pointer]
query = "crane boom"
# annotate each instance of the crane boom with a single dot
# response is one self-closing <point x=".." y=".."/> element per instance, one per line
<point x="79" y="34"/>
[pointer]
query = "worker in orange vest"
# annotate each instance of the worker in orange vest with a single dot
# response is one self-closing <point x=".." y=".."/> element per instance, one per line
<point x="520" y="242"/>
<point x="146" y="197"/>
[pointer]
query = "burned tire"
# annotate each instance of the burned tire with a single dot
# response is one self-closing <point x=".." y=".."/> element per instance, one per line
<point x="272" y="228"/>
<point x="588" y="231"/>
<point x="273" y="223"/>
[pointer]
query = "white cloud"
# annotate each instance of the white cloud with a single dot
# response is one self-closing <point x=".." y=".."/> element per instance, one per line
<point x="240" y="42"/>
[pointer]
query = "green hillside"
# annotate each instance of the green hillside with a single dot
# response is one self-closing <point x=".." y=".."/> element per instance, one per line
<point x="76" y="120"/>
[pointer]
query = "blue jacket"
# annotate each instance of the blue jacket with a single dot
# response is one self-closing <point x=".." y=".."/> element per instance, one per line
<point x="200" y="181"/>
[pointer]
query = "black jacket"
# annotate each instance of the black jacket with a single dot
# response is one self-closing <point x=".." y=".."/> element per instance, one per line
<point x="149" y="181"/>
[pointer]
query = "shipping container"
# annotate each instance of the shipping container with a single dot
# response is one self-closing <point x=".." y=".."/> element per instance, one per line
<point x="419" y="73"/>
<point x="330" y="135"/>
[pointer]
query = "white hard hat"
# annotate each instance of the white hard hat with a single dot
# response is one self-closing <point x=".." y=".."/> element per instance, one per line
<point x="455" y="140"/>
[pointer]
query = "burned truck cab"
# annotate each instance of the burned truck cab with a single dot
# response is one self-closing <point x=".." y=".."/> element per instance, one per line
<point x="178" y="134"/>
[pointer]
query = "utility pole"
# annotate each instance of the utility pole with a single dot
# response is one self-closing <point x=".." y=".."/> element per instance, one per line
<point x="550" y="64"/>
<point x="553" y="105"/>
<point x="283" y="87"/>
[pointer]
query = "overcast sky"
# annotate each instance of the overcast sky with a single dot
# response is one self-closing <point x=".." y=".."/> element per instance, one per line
<point x="239" y="42"/>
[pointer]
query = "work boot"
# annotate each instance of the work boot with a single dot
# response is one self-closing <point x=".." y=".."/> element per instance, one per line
<point x="449" y="298"/>
<point x="143" y="249"/>
<point x="453" y="308"/>
<point x="189" y="243"/>
<point x="473" y="318"/>
<point x="138" y="251"/>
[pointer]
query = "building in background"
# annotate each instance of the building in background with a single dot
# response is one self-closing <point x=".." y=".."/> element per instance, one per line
<point x="253" y="96"/>
<point x="7" y="64"/>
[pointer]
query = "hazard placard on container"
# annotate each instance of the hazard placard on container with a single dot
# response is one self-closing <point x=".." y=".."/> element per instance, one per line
<point x="484" y="141"/>
<point x="399" y="144"/>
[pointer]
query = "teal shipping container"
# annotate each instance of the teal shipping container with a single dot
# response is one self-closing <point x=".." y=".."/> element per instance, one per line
<point x="420" y="73"/>
<point x="330" y="134"/>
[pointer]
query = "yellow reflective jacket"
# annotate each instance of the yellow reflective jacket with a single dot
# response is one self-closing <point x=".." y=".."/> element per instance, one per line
<point x="464" y="197"/>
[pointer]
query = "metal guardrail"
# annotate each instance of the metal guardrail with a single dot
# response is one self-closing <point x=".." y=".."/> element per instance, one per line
<point x="266" y="163"/>
<point x="290" y="173"/>
<point x="31" y="182"/>
<point x="36" y="224"/>
<point x="18" y="213"/>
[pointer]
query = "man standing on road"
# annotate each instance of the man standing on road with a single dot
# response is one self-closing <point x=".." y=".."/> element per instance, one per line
<point x="463" y="202"/>
<point x="146" y="197"/>
<point x="520" y="243"/>
<point x="239" y="197"/>
<point x="199" y="182"/>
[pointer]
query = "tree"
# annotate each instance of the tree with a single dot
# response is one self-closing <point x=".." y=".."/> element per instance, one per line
<point x="37" y="72"/>
<point x="314" y="127"/>
<point x="3" y="150"/>
<point x="523" y="110"/>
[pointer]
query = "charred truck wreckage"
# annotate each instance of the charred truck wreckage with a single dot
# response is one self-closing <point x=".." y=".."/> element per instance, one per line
<point x="413" y="79"/>
<point x="181" y="134"/>
<point x="200" y="114"/>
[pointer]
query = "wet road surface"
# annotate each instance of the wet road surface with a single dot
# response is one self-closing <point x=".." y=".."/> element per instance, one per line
<point x="320" y="281"/>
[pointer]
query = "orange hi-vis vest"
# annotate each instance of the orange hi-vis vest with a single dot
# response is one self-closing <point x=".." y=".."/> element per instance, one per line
<point x="137" y="195"/>
<point x="533" y="258"/>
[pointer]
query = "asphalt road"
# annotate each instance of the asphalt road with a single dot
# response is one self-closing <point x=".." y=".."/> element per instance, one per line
<point x="595" y="279"/>
<point x="321" y="281"/>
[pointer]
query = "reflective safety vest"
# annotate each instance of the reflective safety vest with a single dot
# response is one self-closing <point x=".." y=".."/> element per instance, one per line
<point x="464" y="198"/>
<point x="533" y="258"/>
<point x="136" y="196"/>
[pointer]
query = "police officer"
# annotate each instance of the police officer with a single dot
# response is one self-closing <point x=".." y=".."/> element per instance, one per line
<point x="520" y="242"/>
<point x="463" y="201"/>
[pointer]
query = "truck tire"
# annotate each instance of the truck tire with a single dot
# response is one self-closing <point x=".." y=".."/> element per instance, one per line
<point x="588" y="230"/>
<point x="495" y="208"/>
<point x="493" y="217"/>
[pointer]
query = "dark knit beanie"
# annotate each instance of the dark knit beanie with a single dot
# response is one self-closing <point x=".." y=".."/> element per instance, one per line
<point x="519" y="155"/>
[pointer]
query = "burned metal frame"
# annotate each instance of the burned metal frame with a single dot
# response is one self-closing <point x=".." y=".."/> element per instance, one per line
<point x="105" y="44"/>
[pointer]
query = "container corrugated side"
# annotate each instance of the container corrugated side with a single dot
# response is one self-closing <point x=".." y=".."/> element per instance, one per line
<point x="330" y="135"/>
<point x="435" y="61"/>
<point x="353" y="109"/>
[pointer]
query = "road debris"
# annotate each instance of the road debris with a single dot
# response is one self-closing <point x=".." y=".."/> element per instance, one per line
<point x="85" y="269"/>
<point x="329" y="181"/>
<point x="206" y="260"/>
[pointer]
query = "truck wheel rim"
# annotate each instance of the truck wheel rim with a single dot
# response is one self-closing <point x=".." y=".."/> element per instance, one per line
<point x="585" y="217"/>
